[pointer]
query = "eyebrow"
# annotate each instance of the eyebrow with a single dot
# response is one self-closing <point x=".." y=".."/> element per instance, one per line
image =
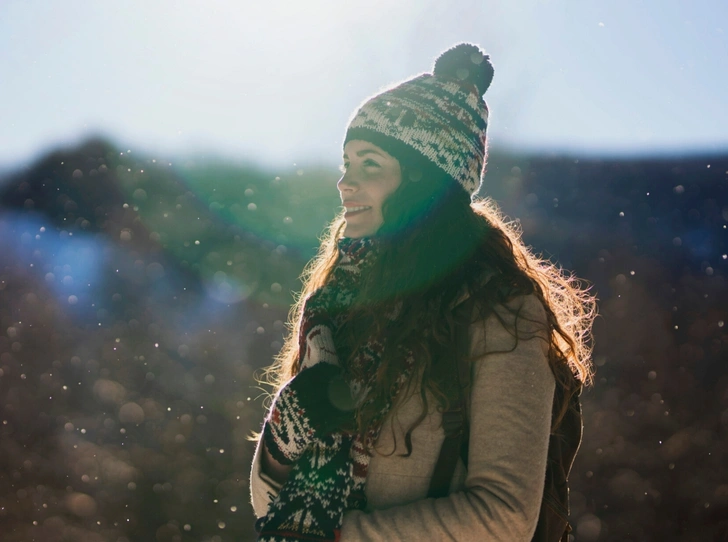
<point x="364" y="152"/>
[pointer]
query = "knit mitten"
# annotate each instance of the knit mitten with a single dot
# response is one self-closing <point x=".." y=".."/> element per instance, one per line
<point x="310" y="505"/>
<point x="315" y="403"/>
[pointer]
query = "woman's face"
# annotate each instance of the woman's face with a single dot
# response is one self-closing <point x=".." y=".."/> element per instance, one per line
<point x="370" y="176"/>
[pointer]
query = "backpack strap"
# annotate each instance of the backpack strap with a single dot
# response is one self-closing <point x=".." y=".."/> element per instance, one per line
<point x="455" y="418"/>
<point x="451" y="448"/>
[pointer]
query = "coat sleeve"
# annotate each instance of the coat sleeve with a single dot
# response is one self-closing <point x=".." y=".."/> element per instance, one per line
<point x="262" y="487"/>
<point x="510" y="419"/>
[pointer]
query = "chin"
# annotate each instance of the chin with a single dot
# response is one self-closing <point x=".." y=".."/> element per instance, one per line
<point x="356" y="233"/>
<point x="356" y="230"/>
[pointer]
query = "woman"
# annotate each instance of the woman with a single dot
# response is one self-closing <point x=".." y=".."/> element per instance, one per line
<point x="351" y="442"/>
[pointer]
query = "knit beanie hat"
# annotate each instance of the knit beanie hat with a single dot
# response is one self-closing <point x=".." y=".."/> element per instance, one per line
<point x="441" y="116"/>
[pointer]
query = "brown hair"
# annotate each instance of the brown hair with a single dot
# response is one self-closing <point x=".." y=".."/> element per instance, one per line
<point x="434" y="241"/>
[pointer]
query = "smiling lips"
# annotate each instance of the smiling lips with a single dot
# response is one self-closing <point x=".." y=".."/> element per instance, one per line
<point x="353" y="210"/>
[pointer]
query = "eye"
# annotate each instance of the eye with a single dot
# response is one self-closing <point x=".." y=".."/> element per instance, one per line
<point x="370" y="163"/>
<point x="343" y="167"/>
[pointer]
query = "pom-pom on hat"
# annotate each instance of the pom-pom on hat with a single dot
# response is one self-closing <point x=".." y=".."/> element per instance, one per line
<point x="442" y="115"/>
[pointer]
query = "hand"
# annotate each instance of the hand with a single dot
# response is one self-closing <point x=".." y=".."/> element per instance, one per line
<point x="315" y="403"/>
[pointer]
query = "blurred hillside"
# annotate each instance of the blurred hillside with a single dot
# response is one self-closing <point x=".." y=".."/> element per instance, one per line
<point x="139" y="297"/>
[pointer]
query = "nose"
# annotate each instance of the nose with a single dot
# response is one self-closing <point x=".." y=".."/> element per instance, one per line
<point x="346" y="184"/>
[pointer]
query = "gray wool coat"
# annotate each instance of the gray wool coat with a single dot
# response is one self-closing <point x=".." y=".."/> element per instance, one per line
<point x="498" y="497"/>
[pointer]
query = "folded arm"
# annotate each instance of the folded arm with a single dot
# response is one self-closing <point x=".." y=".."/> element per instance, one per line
<point x="510" y="418"/>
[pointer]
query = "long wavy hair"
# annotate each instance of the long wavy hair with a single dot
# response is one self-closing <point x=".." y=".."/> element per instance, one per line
<point x="434" y="242"/>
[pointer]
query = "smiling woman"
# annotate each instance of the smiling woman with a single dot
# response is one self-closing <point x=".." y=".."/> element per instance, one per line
<point x="433" y="371"/>
<point x="371" y="175"/>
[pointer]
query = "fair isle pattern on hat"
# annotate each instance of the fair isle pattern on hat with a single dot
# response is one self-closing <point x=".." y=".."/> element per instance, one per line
<point x="442" y="120"/>
<point x="443" y="117"/>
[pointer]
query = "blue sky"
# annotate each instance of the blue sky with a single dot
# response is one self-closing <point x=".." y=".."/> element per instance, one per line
<point x="276" y="81"/>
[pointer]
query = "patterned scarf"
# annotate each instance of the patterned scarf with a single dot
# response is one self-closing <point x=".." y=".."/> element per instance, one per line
<point x="330" y="476"/>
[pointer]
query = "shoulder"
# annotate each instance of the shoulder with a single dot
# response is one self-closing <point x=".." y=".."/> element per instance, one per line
<point x="526" y="312"/>
<point x="502" y="325"/>
<point x="479" y="306"/>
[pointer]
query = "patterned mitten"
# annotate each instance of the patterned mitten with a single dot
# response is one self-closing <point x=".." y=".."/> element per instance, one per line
<point x="310" y="505"/>
<point x="315" y="403"/>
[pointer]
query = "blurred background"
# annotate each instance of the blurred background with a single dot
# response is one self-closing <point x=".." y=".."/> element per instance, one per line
<point x="167" y="167"/>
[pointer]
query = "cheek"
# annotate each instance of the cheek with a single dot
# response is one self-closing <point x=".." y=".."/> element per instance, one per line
<point x="383" y="195"/>
<point x="390" y="189"/>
